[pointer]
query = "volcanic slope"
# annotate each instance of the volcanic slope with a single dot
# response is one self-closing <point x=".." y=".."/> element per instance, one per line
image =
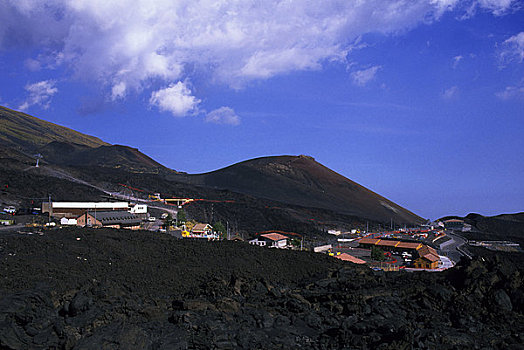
<point x="290" y="180"/>
<point x="20" y="132"/>
<point x="300" y="180"/>
<point x="110" y="156"/>
<point x="500" y="227"/>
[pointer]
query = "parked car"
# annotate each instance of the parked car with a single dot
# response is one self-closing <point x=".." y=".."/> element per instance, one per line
<point x="152" y="219"/>
<point x="10" y="210"/>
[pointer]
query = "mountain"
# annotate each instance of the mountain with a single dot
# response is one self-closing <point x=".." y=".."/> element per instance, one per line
<point x="300" y="180"/>
<point x="22" y="133"/>
<point x="500" y="227"/>
<point x="110" y="156"/>
<point x="283" y="191"/>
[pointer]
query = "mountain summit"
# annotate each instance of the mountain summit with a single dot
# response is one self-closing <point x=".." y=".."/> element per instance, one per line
<point x="300" y="180"/>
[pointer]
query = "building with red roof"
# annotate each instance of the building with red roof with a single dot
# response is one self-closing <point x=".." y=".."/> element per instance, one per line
<point x="272" y="240"/>
<point x="428" y="258"/>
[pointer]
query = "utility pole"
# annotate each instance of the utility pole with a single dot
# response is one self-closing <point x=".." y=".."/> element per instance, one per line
<point x="38" y="157"/>
<point x="50" y="209"/>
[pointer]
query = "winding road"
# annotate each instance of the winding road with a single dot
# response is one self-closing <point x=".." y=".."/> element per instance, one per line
<point x="454" y="248"/>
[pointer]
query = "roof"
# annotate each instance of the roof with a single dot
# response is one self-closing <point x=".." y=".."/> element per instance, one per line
<point x="201" y="228"/>
<point x="115" y="217"/>
<point x="388" y="243"/>
<point x="368" y="241"/>
<point x="409" y="245"/>
<point x="426" y="252"/>
<point x="90" y="205"/>
<point x="350" y="258"/>
<point x="287" y="234"/>
<point x="274" y="236"/>
<point x="430" y="257"/>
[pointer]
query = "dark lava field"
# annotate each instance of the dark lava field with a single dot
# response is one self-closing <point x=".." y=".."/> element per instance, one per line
<point x="112" y="289"/>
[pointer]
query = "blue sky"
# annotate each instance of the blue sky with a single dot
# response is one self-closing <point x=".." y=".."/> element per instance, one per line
<point x="420" y="101"/>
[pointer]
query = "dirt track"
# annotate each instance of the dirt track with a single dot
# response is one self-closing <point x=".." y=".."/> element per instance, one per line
<point x="108" y="289"/>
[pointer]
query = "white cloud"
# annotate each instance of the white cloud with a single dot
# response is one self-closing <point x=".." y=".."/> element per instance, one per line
<point x="132" y="45"/>
<point x="444" y="5"/>
<point x="450" y="93"/>
<point x="39" y="94"/>
<point x="456" y="61"/>
<point x="176" y="99"/>
<point x="364" y="76"/>
<point x="512" y="49"/>
<point x="118" y="91"/>
<point x="497" y="7"/>
<point x="137" y="41"/>
<point x="512" y="92"/>
<point x="32" y="65"/>
<point x="223" y="115"/>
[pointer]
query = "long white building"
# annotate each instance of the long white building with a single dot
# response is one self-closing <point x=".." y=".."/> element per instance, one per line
<point x="74" y="209"/>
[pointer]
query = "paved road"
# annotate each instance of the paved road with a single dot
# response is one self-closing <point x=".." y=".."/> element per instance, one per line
<point x="445" y="262"/>
<point x="454" y="249"/>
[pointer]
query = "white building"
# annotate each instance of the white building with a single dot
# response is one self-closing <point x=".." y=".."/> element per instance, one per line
<point x="68" y="222"/>
<point x="322" y="248"/>
<point x="74" y="209"/>
<point x="272" y="240"/>
<point x="138" y="209"/>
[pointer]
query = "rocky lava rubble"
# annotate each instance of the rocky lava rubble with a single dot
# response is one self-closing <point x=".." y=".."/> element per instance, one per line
<point x="109" y="289"/>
